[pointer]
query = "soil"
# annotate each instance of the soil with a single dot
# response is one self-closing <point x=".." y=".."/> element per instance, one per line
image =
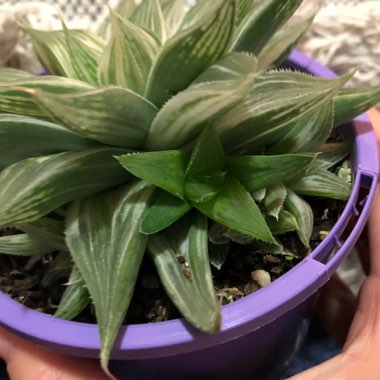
<point x="20" y="277"/>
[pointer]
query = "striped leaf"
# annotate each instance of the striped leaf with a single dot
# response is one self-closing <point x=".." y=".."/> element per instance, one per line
<point x="197" y="11"/>
<point x="218" y="254"/>
<point x="42" y="138"/>
<point x="163" y="212"/>
<point x="148" y="15"/>
<point x="278" y="48"/>
<point x="102" y="233"/>
<point x="274" y="200"/>
<point x="60" y="268"/>
<point x="34" y="187"/>
<point x="276" y="101"/>
<point x="351" y="102"/>
<point x="219" y="89"/>
<point x="259" y="25"/>
<point x="190" y="52"/>
<point x="286" y="222"/>
<point x="55" y="54"/>
<point x="243" y="8"/>
<point x="128" y="57"/>
<point x="75" y="297"/>
<point x="174" y="11"/>
<point x="25" y="245"/>
<point x="163" y="169"/>
<point x="333" y="153"/>
<point x="110" y="115"/>
<point x="234" y="207"/>
<point x="9" y="75"/>
<point x="308" y="135"/>
<point x="189" y="285"/>
<point x="258" y="172"/>
<point x="16" y="93"/>
<point x="322" y="183"/>
<point x="84" y="56"/>
<point x="303" y="215"/>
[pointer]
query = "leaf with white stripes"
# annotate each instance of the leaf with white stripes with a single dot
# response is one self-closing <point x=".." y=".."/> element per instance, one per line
<point x="243" y="8"/>
<point x="333" y="153"/>
<point x="274" y="199"/>
<point x="16" y="129"/>
<point x="148" y="15"/>
<point x="303" y="214"/>
<point x="190" y="52"/>
<point x="198" y="10"/>
<point x="261" y="23"/>
<point x="59" y="268"/>
<point x="218" y="89"/>
<point x="15" y="95"/>
<point x="352" y="102"/>
<point x="34" y="187"/>
<point x="286" y="222"/>
<point x="189" y="285"/>
<point x="110" y="115"/>
<point x="103" y="235"/>
<point x="128" y="57"/>
<point x="276" y="101"/>
<point x="75" y="298"/>
<point x="174" y="11"/>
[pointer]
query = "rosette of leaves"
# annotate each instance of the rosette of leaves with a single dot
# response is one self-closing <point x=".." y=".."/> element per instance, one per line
<point x="171" y="133"/>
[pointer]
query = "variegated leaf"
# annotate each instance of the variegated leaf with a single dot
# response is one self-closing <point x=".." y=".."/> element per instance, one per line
<point x="274" y="200"/>
<point x="303" y="215"/>
<point x="16" y="92"/>
<point x="34" y="187"/>
<point x="308" y="134"/>
<point x="234" y="207"/>
<point x="276" y="101"/>
<point x="75" y="297"/>
<point x="333" y="153"/>
<point x="261" y="23"/>
<point x="16" y="129"/>
<point x="59" y="268"/>
<point x="258" y="172"/>
<point x="243" y="8"/>
<point x="197" y="11"/>
<point x="148" y="15"/>
<point x="218" y="254"/>
<point x="189" y="285"/>
<point x="322" y="183"/>
<point x="103" y="235"/>
<point x="278" y="48"/>
<point x="286" y="222"/>
<point x="351" y="102"/>
<point x="190" y="52"/>
<point x="174" y="11"/>
<point x="128" y="57"/>
<point x="219" y="89"/>
<point x="110" y="115"/>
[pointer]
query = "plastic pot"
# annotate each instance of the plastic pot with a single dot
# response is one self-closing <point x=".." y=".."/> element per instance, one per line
<point x="259" y="333"/>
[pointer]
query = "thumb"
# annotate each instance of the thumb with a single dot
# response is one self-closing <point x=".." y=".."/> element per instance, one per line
<point x="28" y="361"/>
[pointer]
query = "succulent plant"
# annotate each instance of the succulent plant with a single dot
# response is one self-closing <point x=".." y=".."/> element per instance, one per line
<point x="172" y="132"/>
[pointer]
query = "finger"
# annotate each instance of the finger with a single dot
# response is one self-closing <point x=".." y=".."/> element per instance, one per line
<point x="28" y="361"/>
<point x="374" y="236"/>
<point x="336" y="308"/>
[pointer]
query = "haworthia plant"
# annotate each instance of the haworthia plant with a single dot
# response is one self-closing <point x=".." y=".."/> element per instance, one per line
<point x="173" y="133"/>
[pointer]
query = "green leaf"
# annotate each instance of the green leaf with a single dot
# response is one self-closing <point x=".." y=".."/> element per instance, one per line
<point x="218" y="254"/>
<point x="75" y="297"/>
<point x="322" y="183"/>
<point x="110" y="115"/>
<point x="25" y="245"/>
<point x="174" y="11"/>
<point x="190" y="52"/>
<point x="84" y="54"/>
<point x="201" y="9"/>
<point x="274" y="200"/>
<point x="333" y="153"/>
<point x="55" y="54"/>
<point x="59" y="268"/>
<point x="278" y="48"/>
<point x="34" y="187"/>
<point x="164" y="169"/>
<point x="102" y="233"/>
<point x="276" y="101"/>
<point x="128" y="57"/>
<point x="163" y="212"/>
<point x="16" y="93"/>
<point x="243" y="8"/>
<point x="235" y="208"/>
<point x="42" y="138"/>
<point x="261" y="23"/>
<point x="148" y="15"/>
<point x="184" y="116"/>
<point x="258" y="172"/>
<point x="352" y="102"/>
<point x="190" y="286"/>
<point x="303" y="215"/>
<point x="308" y="134"/>
<point x="286" y="222"/>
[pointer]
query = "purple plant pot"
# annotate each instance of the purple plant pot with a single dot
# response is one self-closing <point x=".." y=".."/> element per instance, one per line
<point x="259" y="333"/>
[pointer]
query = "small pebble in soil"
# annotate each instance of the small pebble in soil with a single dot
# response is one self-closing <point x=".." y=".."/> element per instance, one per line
<point x="262" y="277"/>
